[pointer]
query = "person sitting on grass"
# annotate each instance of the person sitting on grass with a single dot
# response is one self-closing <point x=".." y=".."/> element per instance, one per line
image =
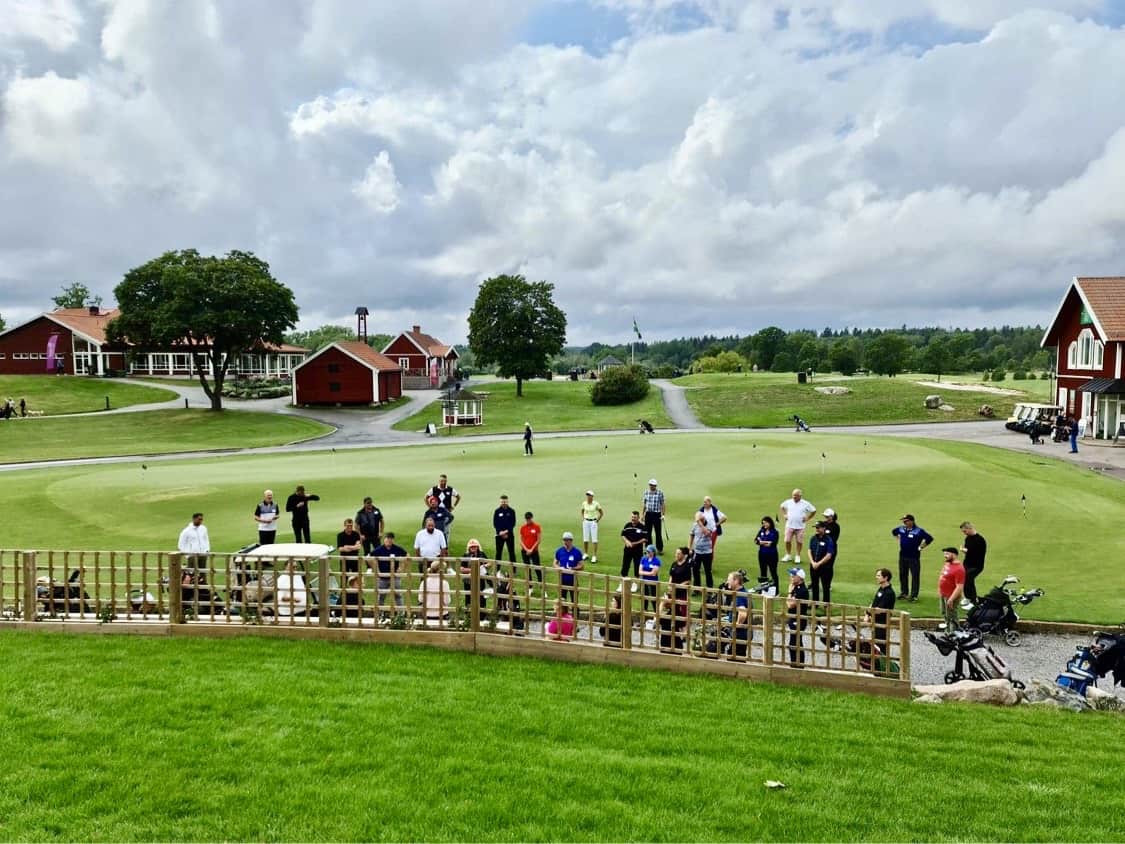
<point x="561" y="626"/>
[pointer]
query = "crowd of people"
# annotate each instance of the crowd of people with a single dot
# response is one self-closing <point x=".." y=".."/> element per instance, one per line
<point x="809" y="559"/>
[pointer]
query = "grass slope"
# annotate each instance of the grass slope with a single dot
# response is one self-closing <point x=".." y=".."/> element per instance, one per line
<point x="768" y="400"/>
<point x="304" y="741"/>
<point x="150" y="432"/>
<point x="558" y="405"/>
<point x="1064" y="542"/>
<point x="70" y="394"/>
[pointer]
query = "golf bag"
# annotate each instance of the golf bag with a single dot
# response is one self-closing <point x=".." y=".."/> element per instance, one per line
<point x="867" y="652"/>
<point x="1106" y="653"/>
<point x="974" y="659"/>
<point x="645" y="427"/>
<point x="801" y="424"/>
<point x="996" y="611"/>
<point x="56" y="597"/>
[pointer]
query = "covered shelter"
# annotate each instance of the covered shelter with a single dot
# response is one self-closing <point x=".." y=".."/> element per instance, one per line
<point x="462" y="407"/>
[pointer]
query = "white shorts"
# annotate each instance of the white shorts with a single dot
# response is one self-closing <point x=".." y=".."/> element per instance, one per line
<point x="589" y="530"/>
<point x="795" y="533"/>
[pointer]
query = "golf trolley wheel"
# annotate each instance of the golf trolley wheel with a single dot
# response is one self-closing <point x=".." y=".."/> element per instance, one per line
<point x="1013" y="638"/>
<point x="952" y="677"/>
<point x="1018" y="684"/>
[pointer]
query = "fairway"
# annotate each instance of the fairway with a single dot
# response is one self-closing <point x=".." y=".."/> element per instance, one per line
<point x="556" y="405"/>
<point x="769" y="400"/>
<point x="279" y="740"/>
<point x="151" y="432"/>
<point x="76" y="394"/>
<point x="1064" y="541"/>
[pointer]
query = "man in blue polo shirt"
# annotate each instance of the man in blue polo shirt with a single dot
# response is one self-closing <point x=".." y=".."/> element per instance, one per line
<point x="568" y="560"/>
<point x="504" y="523"/>
<point x="911" y="542"/>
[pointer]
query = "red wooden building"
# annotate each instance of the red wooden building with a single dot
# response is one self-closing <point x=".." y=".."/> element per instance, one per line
<point x="1088" y="336"/>
<point x="346" y="372"/>
<point x="425" y="361"/>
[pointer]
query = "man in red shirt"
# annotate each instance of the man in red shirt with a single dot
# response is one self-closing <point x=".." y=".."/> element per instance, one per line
<point x="530" y="534"/>
<point x="951" y="586"/>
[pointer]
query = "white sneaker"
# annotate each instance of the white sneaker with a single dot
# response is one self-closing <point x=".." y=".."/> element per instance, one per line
<point x="634" y="588"/>
<point x="967" y="604"/>
<point x="650" y="625"/>
<point x="786" y="558"/>
<point x="593" y="559"/>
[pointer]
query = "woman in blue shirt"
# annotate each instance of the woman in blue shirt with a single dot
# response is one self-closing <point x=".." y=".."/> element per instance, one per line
<point x="766" y="540"/>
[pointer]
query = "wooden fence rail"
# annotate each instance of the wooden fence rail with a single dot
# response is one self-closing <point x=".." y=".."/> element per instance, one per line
<point x="455" y="595"/>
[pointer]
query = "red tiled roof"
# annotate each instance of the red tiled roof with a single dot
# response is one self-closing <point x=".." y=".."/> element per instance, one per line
<point x="374" y="359"/>
<point x="82" y="321"/>
<point x="1106" y="297"/>
<point x="433" y="346"/>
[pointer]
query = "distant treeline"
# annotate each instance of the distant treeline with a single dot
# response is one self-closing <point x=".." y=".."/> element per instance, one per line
<point x="885" y="352"/>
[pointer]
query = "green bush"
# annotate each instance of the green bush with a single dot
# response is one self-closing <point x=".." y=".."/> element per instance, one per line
<point x="620" y="385"/>
<point x="998" y="375"/>
<point x="1019" y="375"/>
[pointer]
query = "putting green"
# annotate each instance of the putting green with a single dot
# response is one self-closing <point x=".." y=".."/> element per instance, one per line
<point x="1064" y="539"/>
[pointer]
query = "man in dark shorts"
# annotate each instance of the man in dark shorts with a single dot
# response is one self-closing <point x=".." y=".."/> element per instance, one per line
<point x="974" y="548"/>
<point x="635" y="537"/>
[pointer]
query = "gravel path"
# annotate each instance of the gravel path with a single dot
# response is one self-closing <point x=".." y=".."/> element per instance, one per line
<point x="675" y="403"/>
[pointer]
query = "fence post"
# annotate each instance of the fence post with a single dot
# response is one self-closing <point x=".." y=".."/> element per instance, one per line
<point x="323" y="591"/>
<point x="175" y="588"/>
<point x="29" y="586"/>
<point x="626" y="615"/>
<point x="767" y="630"/>
<point x="474" y="595"/>
<point x="903" y="645"/>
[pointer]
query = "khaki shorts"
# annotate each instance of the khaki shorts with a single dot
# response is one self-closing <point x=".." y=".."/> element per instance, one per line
<point x="795" y="533"/>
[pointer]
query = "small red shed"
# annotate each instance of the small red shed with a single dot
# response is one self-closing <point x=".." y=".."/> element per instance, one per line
<point x="346" y="372"/>
<point x="425" y="361"/>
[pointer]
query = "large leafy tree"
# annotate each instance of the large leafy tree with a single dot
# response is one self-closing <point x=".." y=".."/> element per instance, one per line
<point x="219" y="307"/>
<point x="75" y="295"/>
<point x="766" y="345"/>
<point x="887" y="354"/>
<point x="516" y="326"/>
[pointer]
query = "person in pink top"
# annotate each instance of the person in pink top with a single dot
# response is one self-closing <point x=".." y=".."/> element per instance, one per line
<point x="561" y="625"/>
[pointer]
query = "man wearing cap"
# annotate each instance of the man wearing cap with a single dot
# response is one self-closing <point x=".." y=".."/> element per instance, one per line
<point x="504" y="523"/>
<point x="653" y="506"/>
<point x="635" y="538"/>
<point x="822" y="555"/>
<point x="797" y="512"/>
<point x="592" y="513"/>
<point x="797" y="607"/>
<point x="912" y="540"/>
<point x="568" y="560"/>
<point x="442" y="516"/>
<point x="650" y="577"/>
<point x="951" y="586"/>
<point x="833" y="529"/>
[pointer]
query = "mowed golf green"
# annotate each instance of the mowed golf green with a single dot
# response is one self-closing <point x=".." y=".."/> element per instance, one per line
<point x="1050" y="523"/>
<point x="121" y="738"/>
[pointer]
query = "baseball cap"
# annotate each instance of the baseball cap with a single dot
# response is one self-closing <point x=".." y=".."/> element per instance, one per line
<point x="828" y="511"/>
<point x="652" y="482"/>
<point x="589" y="492"/>
<point x="821" y="524"/>
<point x="568" y="535"/>
<point x="909" y="516"/>
<point x="650" y="548"/>
<point x="798" y="571"/>
<point x="950" y="549"/>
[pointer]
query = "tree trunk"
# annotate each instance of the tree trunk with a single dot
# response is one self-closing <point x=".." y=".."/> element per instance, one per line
<point x="219" y="372"/>
<point x="519" y="387"/>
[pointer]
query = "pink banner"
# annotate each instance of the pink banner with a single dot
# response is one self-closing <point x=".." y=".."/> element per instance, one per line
<point x="52" y="341"/>
<point x="433" y="372"/>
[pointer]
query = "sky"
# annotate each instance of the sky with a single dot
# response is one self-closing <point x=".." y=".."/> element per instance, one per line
<point x="702" y="166"/>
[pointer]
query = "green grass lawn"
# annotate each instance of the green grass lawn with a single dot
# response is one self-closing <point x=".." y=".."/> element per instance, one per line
<point x="276" y="740"/>
<point x="558" y="405"/>
<point x="1064" y="542"/>
<point x="150" y="432"/>
<point x="76" y="394"/>
<point x="768" y="400"/>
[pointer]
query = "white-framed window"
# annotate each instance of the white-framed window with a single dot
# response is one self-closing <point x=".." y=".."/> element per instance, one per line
<point x="19" y="356"/>
<point x="180" y="361"/>
<point x="404" y="363"/>
<point x="1087" y="352"/>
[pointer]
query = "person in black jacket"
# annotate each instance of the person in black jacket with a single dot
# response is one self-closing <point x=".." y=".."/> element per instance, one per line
<point x="504" y="523"/>
<point x="369" y="523"/>
<point x="884" y="600"/>
<point x="298" y="505"/>
<point x="797" y="607"/>
<point x="974" y="548"/>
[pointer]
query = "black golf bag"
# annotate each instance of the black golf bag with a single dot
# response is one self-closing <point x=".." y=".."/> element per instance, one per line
<point x="54" y="597"/>
<point x="974" y="659"/>
<point x="867" y="652"/>
<point x="996" y="611"/>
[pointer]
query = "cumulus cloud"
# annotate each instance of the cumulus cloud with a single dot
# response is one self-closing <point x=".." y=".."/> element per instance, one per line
<point x="722" y="166"/>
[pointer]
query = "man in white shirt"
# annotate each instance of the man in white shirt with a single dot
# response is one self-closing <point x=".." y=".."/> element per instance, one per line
<point x="429" y="544"/>
<point x="797" y="512"/>
<point x="194" y="540"/>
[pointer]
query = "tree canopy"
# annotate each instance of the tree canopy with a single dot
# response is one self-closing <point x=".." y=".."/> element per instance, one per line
<point x="219" y="307"/>
<point x="888" y="354"/>
<point x="315" y="339"/>
<point x="75" y="295"/>
<point x="516" y="326"/>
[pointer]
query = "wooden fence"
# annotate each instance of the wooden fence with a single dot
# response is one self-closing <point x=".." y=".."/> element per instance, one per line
<point x="600" y="617"/>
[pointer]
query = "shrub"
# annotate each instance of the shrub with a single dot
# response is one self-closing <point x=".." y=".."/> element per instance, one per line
<point x="1019" y="375"/>
<point x="620" y="385"/>
<point x="998" y="375"/>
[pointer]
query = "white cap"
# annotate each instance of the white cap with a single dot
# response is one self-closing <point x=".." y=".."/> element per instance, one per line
<point x="589" y="492"/>
<point x="652" y="481"/>
<point x="567" y="535"/>
<point x="828" y="511"/>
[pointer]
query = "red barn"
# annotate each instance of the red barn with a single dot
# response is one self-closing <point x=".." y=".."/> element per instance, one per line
<point x="1088" y="336"/>
<point x="346" y="372"/>
<point x="79" y="345"/>
<point x="425" y="361"/>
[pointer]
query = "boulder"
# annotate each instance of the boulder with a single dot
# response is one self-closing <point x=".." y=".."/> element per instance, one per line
<point x="1103" y="700"/>
<point x="927" y="699"/>
<point x="933" y="402"/>
<point x="946" y="407"/>
<point x="986" y="411"/>
<point x="995" y="692"/>
<point x="833" y="391"/>
<point x="1045" y="693"/>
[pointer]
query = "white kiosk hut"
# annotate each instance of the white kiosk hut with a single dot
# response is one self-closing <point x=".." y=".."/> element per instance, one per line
<point x="463" y="407"/>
